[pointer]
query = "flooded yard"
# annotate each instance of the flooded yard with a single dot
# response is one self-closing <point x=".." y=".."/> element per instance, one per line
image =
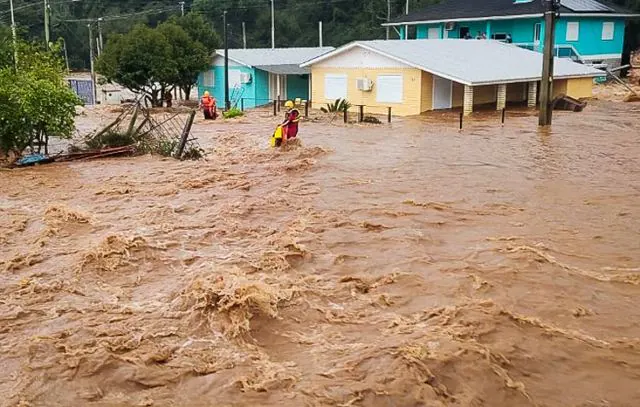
<point x="375" y="265"/>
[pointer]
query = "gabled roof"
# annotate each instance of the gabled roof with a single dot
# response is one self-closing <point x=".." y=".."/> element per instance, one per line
<point x="275" y="60"/>
<point x="461" y="10"/>
<point x="470" y="62"/>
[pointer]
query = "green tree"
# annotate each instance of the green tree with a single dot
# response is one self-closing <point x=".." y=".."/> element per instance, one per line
<point x="190" y="56"/>
<point x="199" y="30"/>
<point x="36" y="102"/>
<point x="140" y="60"/>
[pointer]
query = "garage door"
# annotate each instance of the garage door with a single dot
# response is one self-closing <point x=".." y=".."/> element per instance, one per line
<point x="389" y="89"/>
<point x="335" y="86"/>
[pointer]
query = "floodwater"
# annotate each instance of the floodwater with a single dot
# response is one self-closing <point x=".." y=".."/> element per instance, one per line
<point x="401" y="265"/>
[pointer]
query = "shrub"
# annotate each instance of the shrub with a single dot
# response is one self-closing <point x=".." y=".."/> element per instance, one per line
<point x="233" y="112"/>
<point x="339" y="105"/>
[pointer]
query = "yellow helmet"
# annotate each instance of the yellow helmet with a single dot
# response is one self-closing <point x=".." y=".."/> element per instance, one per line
<point x="206" y="93"/>
<point x="288" y="104"/>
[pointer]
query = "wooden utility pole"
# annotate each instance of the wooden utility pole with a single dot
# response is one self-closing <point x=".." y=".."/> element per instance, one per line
<point x="46" y="23"/>
<point x="546" y="84"/>
<point x="227" y="102"/>
<point x="388" y="17"/>
<point x="15" y="38"/>
<point x="244" y="35"/>
<point x="93" y="71"/>
<point x="406" y="27"/>
<point x="273" y="24"/>
<point x="101" y="42"/>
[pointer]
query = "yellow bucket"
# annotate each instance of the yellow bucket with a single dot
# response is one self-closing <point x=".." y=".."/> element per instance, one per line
<point x="276" y="135"/>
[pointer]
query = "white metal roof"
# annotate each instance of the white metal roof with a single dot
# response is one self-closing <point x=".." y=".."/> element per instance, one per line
<point x="470" y="62"/>
<point x="263" y="57"/>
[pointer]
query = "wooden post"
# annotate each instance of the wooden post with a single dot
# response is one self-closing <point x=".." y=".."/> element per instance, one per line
<point x="389" y="115"/>
<point x="461" y="116"/>
<point x="546" y="84"/>
<point x="346" y="116"/>
<point x="242" y="104"/>
<point x="503" y="115"/>
<point x="361" y="113"/>
<point x="306" y="108"/>
<point x="185" y="134"/>
<point x="275" y="107"/>
<point x="279" y="102"/>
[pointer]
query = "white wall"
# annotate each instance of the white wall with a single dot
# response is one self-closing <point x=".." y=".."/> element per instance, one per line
<point x="359" y="58"/>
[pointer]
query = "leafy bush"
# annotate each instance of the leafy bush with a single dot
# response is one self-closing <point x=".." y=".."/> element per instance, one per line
<point x="36" y="102"/>
<point x="233" y="112"/>
<point x="339" y="105"/>
<point x="110" y="139"/>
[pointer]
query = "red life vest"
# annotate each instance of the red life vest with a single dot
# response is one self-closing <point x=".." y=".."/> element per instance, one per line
<point x="208" y="102"/>
<point x="293" y="117"/>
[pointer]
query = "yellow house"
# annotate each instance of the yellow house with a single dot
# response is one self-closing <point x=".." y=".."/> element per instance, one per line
<point x="415" y="76"/>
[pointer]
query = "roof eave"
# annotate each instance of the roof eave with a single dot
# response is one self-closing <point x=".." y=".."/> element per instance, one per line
<point x="511" y="17"/>
<point x="535" y="79"/>
<point x="237" y="61"/>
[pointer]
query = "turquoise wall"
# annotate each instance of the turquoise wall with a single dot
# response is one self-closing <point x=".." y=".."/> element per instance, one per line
<point x="261" y="80"/>
<point x="421" y="32"/>
<point x="298" y="87"/>
<point x="590" y="36"/>
<point x="522" y="31"/>
<point x="247" y="90"/>
<point x="255" y="93"/>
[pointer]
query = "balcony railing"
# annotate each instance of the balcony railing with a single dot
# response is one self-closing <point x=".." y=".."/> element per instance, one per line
<point x="560" y="51"/>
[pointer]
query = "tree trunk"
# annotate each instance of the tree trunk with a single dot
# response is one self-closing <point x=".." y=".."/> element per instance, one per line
<point x="187" y="91"/>
<point x="154" y="98"/>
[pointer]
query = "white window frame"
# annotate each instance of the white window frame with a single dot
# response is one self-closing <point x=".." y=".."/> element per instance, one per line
<point x="209" y="79"/>
<point x="608" y="30"/>
<point x="573" y="31"/>
<point x="537" y="29"/>
<point x="381" y="82"/>
<point x="336" y="96"/>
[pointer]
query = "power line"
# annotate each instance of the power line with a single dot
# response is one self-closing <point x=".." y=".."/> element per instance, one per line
<point x="122" y="16"/>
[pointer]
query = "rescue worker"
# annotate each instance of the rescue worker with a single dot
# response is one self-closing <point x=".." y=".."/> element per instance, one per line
<point x="208" y="106"/>
<point x="290" y="124"/>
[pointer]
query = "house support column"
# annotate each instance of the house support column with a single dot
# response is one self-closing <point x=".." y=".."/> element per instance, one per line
<point x="533" y="93"/>
<point x="467" y="104"/>
<point x="502" y="96"/>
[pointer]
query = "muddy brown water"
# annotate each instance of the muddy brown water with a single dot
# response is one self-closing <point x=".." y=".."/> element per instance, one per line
<point x="402" y="265"/>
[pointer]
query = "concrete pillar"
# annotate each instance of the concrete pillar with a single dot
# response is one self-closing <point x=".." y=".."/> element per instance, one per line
<point x="502" y="96"/>
<point x="467" y="105"/>
<point x="532" y="96"/>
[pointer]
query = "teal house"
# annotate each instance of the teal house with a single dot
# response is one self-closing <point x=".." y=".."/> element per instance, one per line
<point x="588" y="31"/>
<point x="259" y="76"/>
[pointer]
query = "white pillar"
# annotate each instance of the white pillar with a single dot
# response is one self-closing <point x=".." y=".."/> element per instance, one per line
<point x="467" y="105"/>
<point x="502" y="96"/>
<point x="532" y="96"/>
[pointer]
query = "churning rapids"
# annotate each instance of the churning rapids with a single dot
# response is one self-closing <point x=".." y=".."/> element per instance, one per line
<point x="402" y="265"/>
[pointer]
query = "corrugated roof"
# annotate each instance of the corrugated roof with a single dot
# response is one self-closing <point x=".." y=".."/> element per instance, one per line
<point x="471" y="62"/>
<point x="285" y="60"/>
<point x="450" y="10"/>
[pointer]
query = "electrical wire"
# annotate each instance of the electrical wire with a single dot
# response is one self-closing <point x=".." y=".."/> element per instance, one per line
<point x="122" y="16"/>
